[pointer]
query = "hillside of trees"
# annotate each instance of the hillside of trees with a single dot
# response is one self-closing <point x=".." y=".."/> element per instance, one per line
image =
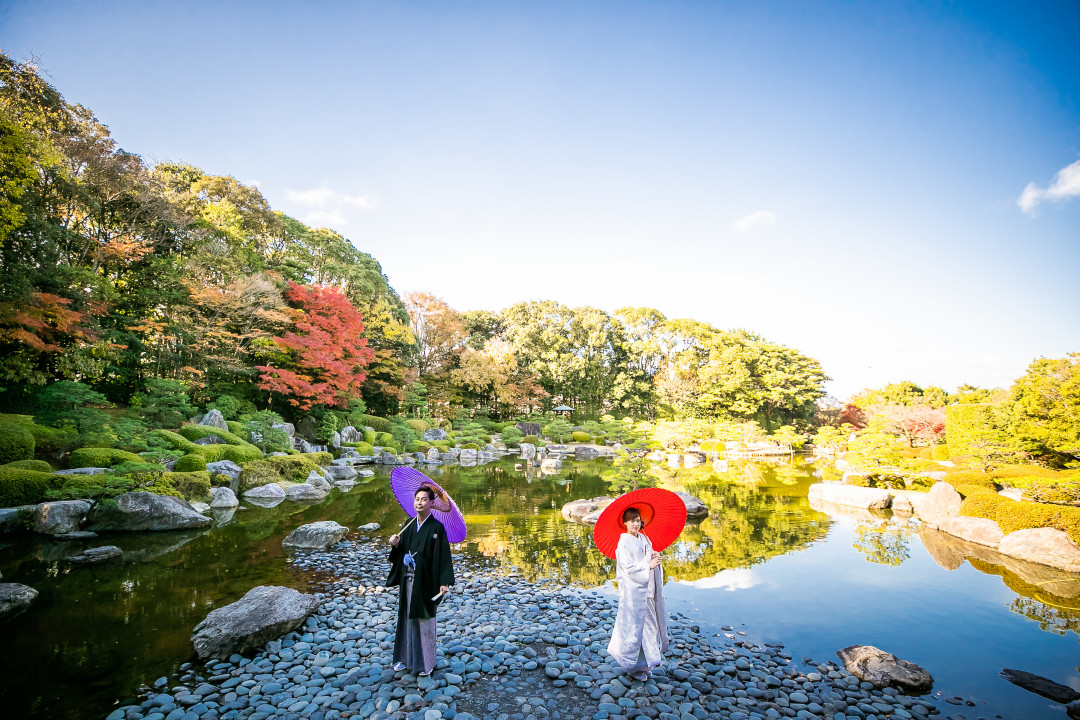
<point x="139" y="283"/>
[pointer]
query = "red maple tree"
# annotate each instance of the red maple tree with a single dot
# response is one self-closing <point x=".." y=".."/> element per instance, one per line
<point x="326" y="353"/>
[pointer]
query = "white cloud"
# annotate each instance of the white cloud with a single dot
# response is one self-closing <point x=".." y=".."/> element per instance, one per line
<point x="760" y="219"/>
<point x="1066" y="184"/>
<point x="733" y="579"/>
<point x="325" y="197"/>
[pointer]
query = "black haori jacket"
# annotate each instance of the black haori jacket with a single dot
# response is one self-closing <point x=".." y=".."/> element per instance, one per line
<point x="434" y="566"/>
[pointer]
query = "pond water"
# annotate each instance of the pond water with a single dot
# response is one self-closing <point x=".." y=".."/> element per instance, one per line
<point x="764" y="562"/>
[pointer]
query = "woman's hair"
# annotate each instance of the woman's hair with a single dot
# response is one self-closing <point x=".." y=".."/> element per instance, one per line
<point x="630" y="513"/>
<point x="426" y="489"/>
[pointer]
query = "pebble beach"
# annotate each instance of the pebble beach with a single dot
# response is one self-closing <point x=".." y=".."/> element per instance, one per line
<point x="509" y="649"/>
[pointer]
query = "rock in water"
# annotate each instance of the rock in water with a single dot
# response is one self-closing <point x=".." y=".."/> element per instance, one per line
<point x="56" y="518"/>
<point x="225" y="467"/>
<point x="270" y="490"/>
<point x="223" y="498"/>
<point x="882" y="669"/>
<point x="941" y="502"/>
<point x="264" y="613"/>
<point x="1046" y="546"/>
<point x="315" y="536"/>
<point x="15" y="598"/>
<point x="144" y="511"/>
<point x="95" y="555"/>
<point x="851" y="495"/>
<point x="695" y="508"/>
<point x="1041" y="686"/>
<point x="305" y="493"/>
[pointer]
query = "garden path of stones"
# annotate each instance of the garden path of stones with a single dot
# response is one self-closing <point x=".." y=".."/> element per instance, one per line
<point x="509" y="650"/>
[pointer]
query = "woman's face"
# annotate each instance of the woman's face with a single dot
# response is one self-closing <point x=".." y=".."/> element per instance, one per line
<point x="633" y="525"/>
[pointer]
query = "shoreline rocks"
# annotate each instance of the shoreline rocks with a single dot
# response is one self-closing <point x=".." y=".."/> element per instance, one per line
<point x="264" y="613"/>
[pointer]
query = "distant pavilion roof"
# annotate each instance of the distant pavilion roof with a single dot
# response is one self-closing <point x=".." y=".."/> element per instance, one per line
<point x="562" y="408"/>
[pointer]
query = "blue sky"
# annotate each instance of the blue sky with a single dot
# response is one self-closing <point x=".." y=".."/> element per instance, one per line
<point x="892" y="188"/>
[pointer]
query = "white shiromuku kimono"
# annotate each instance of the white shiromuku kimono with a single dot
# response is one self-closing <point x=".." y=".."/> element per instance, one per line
<point x="640" y="636"/>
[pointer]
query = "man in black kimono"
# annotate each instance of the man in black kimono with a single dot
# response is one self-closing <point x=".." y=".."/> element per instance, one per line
<point x="421" y="565"/>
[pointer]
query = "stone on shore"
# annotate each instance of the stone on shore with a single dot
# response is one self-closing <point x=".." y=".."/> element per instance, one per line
<point x="264" y="613"/>
<point x="883" y="669"/>
<point x="225" y="467"/>
<point x="369" y="527"/>
<point x="305" y="493"/>
<point x="316" y="479"/>
<point x="63" y="516"/>
<point x="270" y="490"/>
<point x="527" y="450"/>
<point x="223" y="498"/>
<point x="315" y="536"/>
<point x="586" y="452"/>
<point x="14" y="598"/>
<point x="434" y="435"/>
<point x="941" y="502"/>
<point x="1046" y="546"/>
<point x="976" y="530"/>
<point x="852" y="495"/>
<point x="341" y="472"/>
<point x="139" y="511"/>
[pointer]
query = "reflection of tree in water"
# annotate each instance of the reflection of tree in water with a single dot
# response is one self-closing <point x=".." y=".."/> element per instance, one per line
<point x="884" y="543"/>
<point x="1053" y="613"/>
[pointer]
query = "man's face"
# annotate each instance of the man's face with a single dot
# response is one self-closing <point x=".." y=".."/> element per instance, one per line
<point x="422" y="503"/>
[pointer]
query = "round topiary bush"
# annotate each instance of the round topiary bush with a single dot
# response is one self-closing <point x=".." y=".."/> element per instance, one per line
<point x="100" y="457"/>
<point x="37" y="465"/>
<point x="187" y="485"/>
<point x="364" y="448"/>
<point x="470" y="446"/>
<point x="191" y="462"/>
<point x="581" y="437"/>
<point x="979" y="502"/>
<point x="25" y="487"/>
<point x="16" y="442"/>
<point x="417" y="426"/>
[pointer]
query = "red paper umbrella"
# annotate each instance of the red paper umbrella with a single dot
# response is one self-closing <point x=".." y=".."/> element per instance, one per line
<point x="405" y="481"/>
<point x="663" y="516"/>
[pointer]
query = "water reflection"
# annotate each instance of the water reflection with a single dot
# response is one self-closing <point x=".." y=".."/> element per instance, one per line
<point x="103" y="630"/>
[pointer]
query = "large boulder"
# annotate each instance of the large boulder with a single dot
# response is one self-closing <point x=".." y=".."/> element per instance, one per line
<point x="695" y="508"/>
<point x="82" y="471"/>
<point x="575" y="510"/>
<point x="14" y="598"/>
<point x="552" y="464"/>
<point x="305" y="493"/>
<point x="17" y="519"/>
<point x="315" y="536"/>
<point x="586" y="452"/>
<point x="270" y="490"/>
<point x="214" y="418"/>
<point x="225" y="467"/>
<point x="1046" y="546"/>
<point x="341" y="472"/>
<point x="223" y="498"/>
<point x="941" y="502"/>
<point x="528" y="451"/>
<point x="976" y="530"/>
<point x="852" y="495"/>
<point x="694" y="457"/>
<point x="335" y="440"/>
<point x="529" y="428"/>
<point x="316" y="479"/>
<point x="1041" y="686"/>
<point x="882" y="669"/>
<point x="138" y="511"/>
<point x="264" y="613"/>
<point x="287" y="428"/>
<point x="434" y="434"/>
<point x="56" y="518"/>
<point x="349" y="434"/>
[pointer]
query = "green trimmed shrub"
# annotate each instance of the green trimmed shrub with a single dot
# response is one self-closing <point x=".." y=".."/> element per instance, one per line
<point x="580" y="437"/>
<point x="384" y="438"/>
<point x="36" y="465"/>
<point x="321" y="458"/>
<point x="390" y="449"/>
<point x="197" y="432"/>
<point x="80" y="487"/>
<point x="187" y="485"/>
<point x="1012" y="516"/>
<point x="939" y="452"/>
<point x="100" y="457"/>
<point x="25" y="487"/>
<point x="371" y="437"/>
<point x="236" y="428"/>
<point x="16" y="442"/>
<point x="377" y="424"/>
<point x="971" y="477"/>
<point x="364" y="448"/>
<point x="470" y="446"/>
<point x="237" y="453"/>
<point x="178" y="441"/>
<point x="979" y="502"/>
<point x="192" y="462"/>
<point x="417" y="426"/>
<point x="511" y="435"/>
<point x="531" y="439"/>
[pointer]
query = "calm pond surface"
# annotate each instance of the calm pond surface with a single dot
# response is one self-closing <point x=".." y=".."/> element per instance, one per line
<point x="764" y="562"/>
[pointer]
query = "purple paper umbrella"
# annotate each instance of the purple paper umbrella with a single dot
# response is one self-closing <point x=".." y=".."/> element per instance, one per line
<point x="405" y="481"/>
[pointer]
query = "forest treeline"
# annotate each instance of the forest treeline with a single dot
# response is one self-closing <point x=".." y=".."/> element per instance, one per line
<point x="137" y="280"/>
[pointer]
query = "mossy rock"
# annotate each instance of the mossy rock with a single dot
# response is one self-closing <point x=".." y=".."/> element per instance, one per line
<point x="197" y="432"/>
<point x="100" y="457"/>
<point x="25" y="487"/>
<point x="186" y="485"/>
<point x="193" y="462"/>
<point x="38" y="465"/>
<point x="16" y="442"/>
<point x="290" y="468"/>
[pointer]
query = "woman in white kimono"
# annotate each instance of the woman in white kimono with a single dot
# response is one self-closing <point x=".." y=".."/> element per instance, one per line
<point x="640" y="636"/>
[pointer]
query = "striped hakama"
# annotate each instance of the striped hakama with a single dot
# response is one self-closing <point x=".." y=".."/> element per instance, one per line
<point x="414" y="643"/>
